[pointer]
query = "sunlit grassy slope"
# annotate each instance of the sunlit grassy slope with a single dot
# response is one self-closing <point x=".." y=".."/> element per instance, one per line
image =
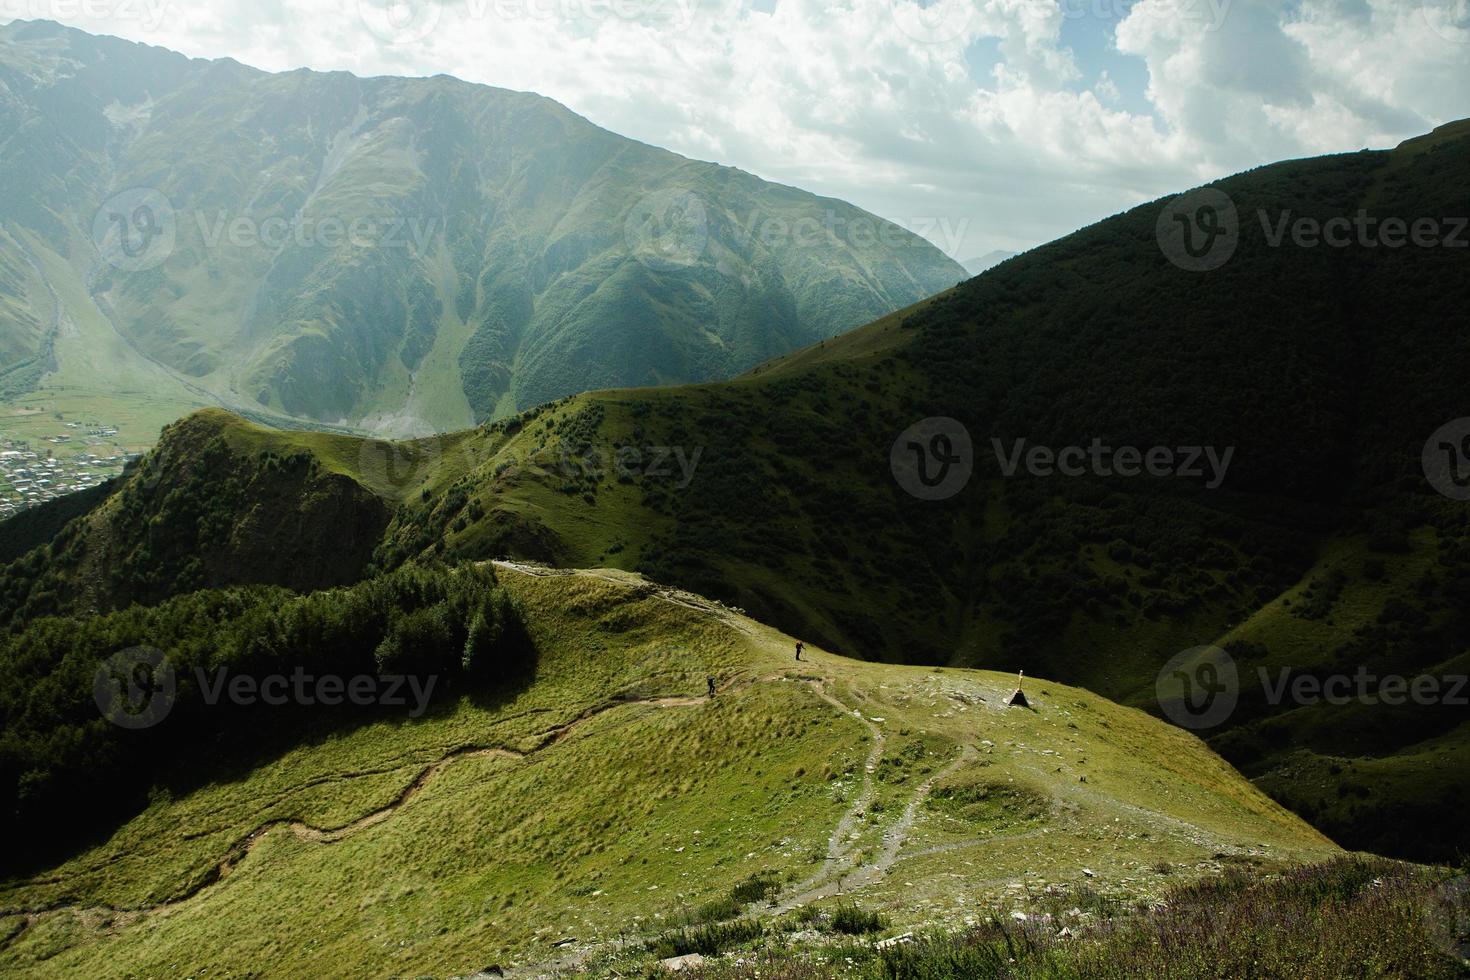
<point x="774" y="492"/>
<point x="610" y="795"/>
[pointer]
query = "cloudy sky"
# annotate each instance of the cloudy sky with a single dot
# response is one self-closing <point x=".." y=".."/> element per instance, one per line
<point x="987" y="124"/>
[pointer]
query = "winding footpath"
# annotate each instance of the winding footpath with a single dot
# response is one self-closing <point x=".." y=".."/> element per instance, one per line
<point x="242" y="848"/>
<point x="843" y="869"/>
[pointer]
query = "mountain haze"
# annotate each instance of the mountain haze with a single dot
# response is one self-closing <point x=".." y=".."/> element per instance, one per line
<point x="989" y="260"/>
<point x="398" y="254"/>
<point x="1324" y="545"/>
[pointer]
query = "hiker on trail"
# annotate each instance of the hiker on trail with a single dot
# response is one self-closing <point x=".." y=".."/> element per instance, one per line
<point x="711" y="686"/>
<point x="799" y="647"/>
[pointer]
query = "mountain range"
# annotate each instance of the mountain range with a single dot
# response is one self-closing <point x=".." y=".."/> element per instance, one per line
<point x="396" y="255"/>
<point x="989" y="260"/>
<point x="1302" y="396"/>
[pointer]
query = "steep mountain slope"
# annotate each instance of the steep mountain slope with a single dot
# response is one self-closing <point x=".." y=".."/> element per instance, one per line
<point x="405" y="254"/>
<point x="607" y="798"/>
<point x="1322" y="373"/>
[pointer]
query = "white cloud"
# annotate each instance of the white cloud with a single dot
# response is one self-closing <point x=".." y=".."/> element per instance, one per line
<point x="873" y="100"/>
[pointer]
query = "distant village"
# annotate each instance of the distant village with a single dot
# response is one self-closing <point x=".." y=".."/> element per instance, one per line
<point x="33" y="472"/>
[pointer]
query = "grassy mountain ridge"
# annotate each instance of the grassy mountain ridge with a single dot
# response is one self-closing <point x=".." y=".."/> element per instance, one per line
<point x="1321" y="370"/>
<point x="205" y="510"/>
<point x="406" y="255"/>
<point x="607" y="796"/>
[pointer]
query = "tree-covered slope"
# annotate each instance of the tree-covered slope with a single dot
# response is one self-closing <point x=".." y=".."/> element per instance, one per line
<point x="410" y="254"/>
<point x="1323" y="372"/>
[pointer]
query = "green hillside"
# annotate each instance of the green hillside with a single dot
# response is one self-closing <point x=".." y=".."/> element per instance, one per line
<point x="1320" y="549"/>
<point x="580" y="797"/>
<point x="397" y="255"/>
<point x="1322" y="370"/>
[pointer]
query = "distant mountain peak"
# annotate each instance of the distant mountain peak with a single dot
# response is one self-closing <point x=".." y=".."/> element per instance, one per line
<point x="989" y="260"/>
<point x="314" y="248"/>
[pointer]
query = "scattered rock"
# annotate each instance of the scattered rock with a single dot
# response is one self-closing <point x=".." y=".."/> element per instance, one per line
<point x="678" y="964"/>
<point x="907" y="937"/>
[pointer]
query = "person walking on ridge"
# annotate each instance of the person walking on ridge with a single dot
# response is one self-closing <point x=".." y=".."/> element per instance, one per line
<point x="799" y="647"/>
<point x="711" y="686"/>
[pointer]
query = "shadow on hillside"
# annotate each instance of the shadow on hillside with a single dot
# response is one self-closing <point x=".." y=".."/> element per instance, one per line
<point x="243" y="740"/>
